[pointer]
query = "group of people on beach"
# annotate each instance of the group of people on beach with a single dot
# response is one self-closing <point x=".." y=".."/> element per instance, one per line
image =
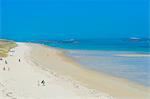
<point x="19" y="60"/>
<point x="6" y="62"/>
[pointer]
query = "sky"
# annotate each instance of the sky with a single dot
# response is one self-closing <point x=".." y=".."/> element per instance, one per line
<point x="61" y="19"/>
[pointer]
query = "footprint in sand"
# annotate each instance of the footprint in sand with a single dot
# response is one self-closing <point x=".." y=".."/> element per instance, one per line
<point x="10" y="94"/>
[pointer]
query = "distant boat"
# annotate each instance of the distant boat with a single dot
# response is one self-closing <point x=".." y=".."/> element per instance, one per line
<point x="135" y="39"/>
<point x="69" y="41"/>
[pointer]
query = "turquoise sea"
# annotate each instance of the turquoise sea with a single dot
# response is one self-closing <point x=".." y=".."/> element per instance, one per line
<point x="102" y="55"/>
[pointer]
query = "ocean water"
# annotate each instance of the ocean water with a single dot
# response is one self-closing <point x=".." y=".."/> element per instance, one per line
<point x="102" y="55"/>
<point x="140" y="45"/>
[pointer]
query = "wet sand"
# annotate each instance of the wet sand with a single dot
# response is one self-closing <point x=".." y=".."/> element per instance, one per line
<point x="54" y="59"/>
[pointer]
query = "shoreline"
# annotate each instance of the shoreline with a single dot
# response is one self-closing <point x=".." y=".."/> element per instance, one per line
<point x="65" y="78"/>
<point x="75" y="53"/>
<point x="103" y="82"/>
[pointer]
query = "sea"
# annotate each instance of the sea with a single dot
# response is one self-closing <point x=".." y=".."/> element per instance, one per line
<point x="124" y="58"/>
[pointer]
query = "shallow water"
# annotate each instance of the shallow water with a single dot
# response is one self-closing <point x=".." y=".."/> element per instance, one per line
<point x="101" y="55"/>
<point x="135" y="69"/>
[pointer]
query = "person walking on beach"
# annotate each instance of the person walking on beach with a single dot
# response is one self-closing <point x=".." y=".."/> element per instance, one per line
<point x="43" y="82"/>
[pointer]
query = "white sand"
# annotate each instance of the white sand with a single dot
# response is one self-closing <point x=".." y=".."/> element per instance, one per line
<point x="21" y="80"/>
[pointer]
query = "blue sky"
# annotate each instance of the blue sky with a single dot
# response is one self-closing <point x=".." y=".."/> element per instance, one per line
<point x="56" y="19"/>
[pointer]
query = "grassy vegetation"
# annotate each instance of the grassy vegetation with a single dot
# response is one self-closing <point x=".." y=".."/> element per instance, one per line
<point x="5" y="47"/>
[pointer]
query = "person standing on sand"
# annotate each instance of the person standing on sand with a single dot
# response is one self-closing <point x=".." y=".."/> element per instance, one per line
<point x="19" y="60"/>
<point x="6" y="62"/>
<point x="4" y="68"/>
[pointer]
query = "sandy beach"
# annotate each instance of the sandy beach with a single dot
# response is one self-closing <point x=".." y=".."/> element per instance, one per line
<point x="29" y="64"/>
